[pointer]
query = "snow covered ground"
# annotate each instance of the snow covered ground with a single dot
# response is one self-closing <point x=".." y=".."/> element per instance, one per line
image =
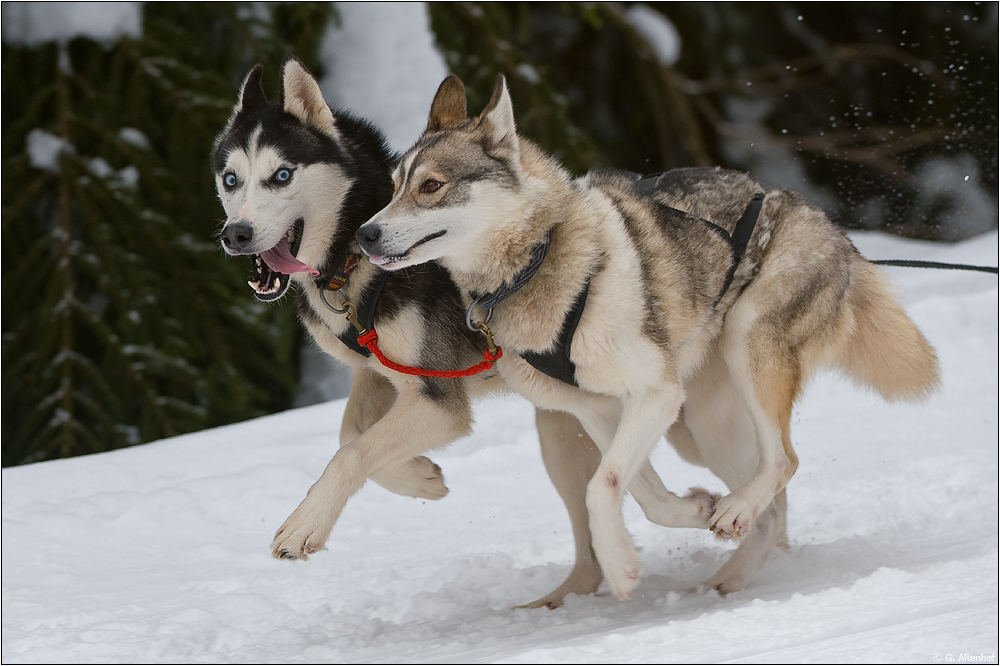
<point x="159" y="553"/>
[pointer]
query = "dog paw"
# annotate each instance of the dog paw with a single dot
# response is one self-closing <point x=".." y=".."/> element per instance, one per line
<point x="733" y="517"/>
<point x="624" y="581"/>
<point x="722" y="584"/>
<point x="705" y="504"/>
<point x="301" y="535"/>
<point x="582" y="580"/>
<point x="430" y="480"/>
<point x="417" y="477"/>
<point x="623" y="572"/>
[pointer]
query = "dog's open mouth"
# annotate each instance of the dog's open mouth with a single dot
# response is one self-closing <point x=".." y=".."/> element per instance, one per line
<point x="272" y="268"/>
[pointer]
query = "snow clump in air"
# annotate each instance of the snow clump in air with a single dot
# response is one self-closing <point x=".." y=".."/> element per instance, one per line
<point x="658" y="31"/>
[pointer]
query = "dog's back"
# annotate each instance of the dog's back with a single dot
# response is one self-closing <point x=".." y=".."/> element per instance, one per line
<point x="813" y="284"/>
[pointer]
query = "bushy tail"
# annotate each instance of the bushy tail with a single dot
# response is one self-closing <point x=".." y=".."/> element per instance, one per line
<point x="885" y="351"/>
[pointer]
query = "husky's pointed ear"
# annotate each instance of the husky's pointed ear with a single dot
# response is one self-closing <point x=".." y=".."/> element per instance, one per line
<point x="301" y="97"/>
<point x="497" y="121"/>
<point x="251" y="93"/>
<point x="448" y="107"/>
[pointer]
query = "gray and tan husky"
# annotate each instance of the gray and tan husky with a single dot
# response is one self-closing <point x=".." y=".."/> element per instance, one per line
<point x="297" y="180"/>
<point x="698" y="287"/>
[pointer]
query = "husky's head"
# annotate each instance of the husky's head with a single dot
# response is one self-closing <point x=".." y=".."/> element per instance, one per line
<point x="462" y="178"/>
<point x="278" y="173"/>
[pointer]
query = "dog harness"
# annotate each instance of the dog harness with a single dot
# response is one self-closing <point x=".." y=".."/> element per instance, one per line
<point x="556" y="362"/>
<point x="361" y="336"/>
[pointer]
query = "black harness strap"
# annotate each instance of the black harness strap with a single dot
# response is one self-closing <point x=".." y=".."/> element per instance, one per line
<point x="366" y="313"/>
<point x="646" y="186"/>
<point x="556" y="363"/>
<point x="740" y="238"/>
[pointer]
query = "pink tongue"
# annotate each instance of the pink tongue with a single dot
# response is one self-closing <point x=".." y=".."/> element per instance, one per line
<point x="279" y="259"/>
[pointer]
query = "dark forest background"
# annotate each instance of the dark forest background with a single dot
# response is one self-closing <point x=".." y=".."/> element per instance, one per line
<point x="123" y="322"/>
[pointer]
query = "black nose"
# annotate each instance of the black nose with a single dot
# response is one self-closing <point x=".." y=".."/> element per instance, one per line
<point x="236" y="237"/>
<point x="368" y="236"/>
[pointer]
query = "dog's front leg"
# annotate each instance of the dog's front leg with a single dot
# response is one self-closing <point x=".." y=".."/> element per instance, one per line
<point x="419" y="420"/>
<point x="372" y="396"/>
<point x="644" y="419"/>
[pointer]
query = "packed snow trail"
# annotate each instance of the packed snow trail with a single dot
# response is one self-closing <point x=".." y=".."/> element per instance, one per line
<point x="160" y="553"/>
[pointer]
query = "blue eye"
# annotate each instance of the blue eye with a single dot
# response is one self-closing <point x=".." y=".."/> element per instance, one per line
<point x="229" y="180"/>
<point x="282" y="175"/>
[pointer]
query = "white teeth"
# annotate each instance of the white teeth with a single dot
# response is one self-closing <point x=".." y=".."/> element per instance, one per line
<point x="256" y="287"/>
<point x="258" y="261"/>
<point x="277" y="283"/>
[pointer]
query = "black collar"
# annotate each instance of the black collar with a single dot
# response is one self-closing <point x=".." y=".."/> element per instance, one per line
<point x="365" y="304"/>
<point x="507" y="289"/>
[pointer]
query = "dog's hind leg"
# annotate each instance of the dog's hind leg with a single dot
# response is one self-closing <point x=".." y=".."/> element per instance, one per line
<point x="770" y="411"/>
<point x="571" y="458"/>
<point x="372" y="395"/>
<point x="717" y="432"/>
<point x="766" y="371"/>
<point x="767" y="531"/>
<point x="426" y="414"/>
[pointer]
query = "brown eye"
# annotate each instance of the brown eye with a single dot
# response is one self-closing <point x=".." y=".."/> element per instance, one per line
<point x="430" y="186"/>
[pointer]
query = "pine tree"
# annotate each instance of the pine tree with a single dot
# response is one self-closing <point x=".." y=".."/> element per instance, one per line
<point x="122" y="320"/>
<point x="860" y="96"/>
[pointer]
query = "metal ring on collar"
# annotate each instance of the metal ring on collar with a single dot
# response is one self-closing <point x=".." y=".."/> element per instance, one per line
<point x="322" y="296"/>
<point x="468" y="315"/>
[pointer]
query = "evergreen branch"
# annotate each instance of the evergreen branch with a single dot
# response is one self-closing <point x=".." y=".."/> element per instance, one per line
<point x="875" y="147"/>
<point x="66" y="439"/>
<point x="111" y="334"/>
<point x="100" y="422"/>
<point x="788" y="76"/>
<point x="666" y="92"/>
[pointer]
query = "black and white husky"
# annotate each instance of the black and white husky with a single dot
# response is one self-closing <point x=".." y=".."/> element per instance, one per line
<point x="297" y="180"/>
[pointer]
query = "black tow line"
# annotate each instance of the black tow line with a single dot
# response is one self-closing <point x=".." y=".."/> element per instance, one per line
<point x="911" y="263"/>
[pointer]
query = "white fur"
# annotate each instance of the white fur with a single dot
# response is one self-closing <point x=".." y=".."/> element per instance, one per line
<point x="315" y="194"/>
